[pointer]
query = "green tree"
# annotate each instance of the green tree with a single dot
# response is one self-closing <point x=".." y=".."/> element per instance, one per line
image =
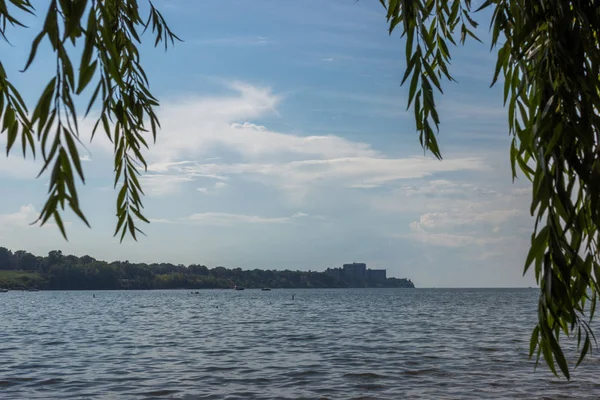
<point x="26" y="261"/>
<point x="6" y="257"/>
<point x="108" y="32"/>
<point x="548" y="55"/>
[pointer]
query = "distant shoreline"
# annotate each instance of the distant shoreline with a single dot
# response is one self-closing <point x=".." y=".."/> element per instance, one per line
<point x="212" y="289"/>
<point x="285" y="288"/>
<point x="22" y="271"/>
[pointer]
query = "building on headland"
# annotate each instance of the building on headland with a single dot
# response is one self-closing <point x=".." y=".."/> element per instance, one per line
<point x="335" y="273"/>
<point x="357" y="271"/>
<point x="376" y="275"/>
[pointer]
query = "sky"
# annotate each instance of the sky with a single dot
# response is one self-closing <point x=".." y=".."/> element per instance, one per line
<point x="286" y="144"/>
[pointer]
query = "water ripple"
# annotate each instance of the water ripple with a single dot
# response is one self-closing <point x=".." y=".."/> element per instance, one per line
<point x="324" y="344"/>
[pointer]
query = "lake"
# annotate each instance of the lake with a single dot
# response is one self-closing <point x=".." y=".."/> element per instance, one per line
<point x="252" y="344"/>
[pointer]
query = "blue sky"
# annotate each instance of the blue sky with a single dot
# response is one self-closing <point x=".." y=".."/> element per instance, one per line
<point x="286" y="144"/>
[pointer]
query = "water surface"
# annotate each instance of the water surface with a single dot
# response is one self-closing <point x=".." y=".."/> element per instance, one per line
<point x="252" y="344"/>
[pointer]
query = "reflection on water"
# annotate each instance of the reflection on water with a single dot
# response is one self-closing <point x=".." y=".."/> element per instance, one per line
<point x="337" y="344"/>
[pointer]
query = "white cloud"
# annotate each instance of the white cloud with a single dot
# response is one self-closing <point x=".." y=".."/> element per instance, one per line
<point x="218" y="131"/>
<point x="212" y="189"/>
<point x="212" y="218"/>
<point x="161" y="221"/>
<point x="446" y="220"/>
<point x="11" y="223"/>
<point x="454" y="214"/>
<point x="15" y="166"/>
<point x="196" y="131"/>
<point x="431" y="232"/>
<point x="450" y="239"/>
<point x="444" y="196"/>
<point x="18" y="167"/>
<point x="348" y="172"/>
<point x="299" y="215"/>
<point x="256" y="141"/>
<point x="20" y="219"/>
<point x="228" y="219"/>
<point x="161" y="185"/>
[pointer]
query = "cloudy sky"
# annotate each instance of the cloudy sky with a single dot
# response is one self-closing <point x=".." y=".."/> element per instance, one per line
<point x="286" y="144"/>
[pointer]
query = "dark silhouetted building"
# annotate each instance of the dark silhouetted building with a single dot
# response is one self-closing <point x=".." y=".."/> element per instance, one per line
<point x="355" y="271"/>
<point x="336" y="273"/>
<point x="376" y="275"/>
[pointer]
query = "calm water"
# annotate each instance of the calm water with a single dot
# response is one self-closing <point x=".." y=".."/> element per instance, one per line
<point x="337" y="344"/>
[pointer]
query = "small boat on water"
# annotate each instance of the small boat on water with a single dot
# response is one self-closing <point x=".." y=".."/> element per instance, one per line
<point x="33" y="290"/>
<point x="238" y="287"/>
<point x="265" y="289"/>
<point x="3" y="290"/>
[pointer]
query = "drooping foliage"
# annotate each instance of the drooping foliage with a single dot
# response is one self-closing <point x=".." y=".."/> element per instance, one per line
<point x="548" y="55"/>
<point x="108" y="32"/>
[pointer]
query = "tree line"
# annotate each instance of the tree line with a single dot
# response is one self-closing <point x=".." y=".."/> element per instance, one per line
<point x="56" y="271"/>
